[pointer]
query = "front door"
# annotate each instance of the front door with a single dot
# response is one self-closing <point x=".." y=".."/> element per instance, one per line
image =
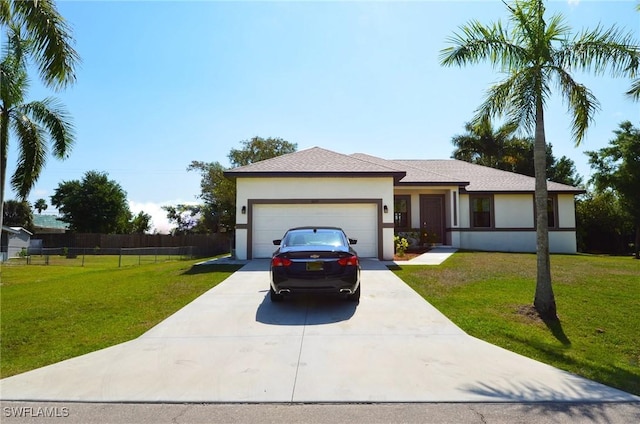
<point x="432" y="218"/>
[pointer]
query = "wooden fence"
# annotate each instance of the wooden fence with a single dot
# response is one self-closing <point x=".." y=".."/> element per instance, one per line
<point x="203" y="244"/>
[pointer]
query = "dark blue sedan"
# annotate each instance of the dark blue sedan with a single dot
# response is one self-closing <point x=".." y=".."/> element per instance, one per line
<point x="315" y="260"/>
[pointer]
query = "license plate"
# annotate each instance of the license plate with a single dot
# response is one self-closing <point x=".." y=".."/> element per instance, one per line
<point x="315" y="266"/>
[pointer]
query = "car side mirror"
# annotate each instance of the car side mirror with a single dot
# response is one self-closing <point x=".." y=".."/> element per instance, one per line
<point x="277" y="242"/>
<point x="353" y="241"/>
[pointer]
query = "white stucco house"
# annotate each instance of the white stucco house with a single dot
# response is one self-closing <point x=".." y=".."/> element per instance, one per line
<point x="458" y="204"/>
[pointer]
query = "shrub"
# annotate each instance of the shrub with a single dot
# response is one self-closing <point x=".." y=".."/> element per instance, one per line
<point x="401" y="244"/>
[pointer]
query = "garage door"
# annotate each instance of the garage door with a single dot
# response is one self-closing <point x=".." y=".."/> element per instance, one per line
<point x="359" y="221"/>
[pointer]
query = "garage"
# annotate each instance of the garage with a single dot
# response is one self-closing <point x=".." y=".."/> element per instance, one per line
<point x="270" y="221"/>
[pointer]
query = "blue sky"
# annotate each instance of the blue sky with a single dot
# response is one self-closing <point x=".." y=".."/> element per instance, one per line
<point x="163" y="83"/>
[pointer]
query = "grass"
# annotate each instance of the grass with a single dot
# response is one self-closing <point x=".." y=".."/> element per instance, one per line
<point x="51" y="313"/>
<point x="100" y="261"/>
<point x="489" y="296"/>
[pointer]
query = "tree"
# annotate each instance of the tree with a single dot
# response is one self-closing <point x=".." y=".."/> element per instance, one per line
<point x="40" y="205"/>
<point x="258" y="149"/>
<point x="617" y="169"/>
<point x="502" y="150"/>
<point x="186" y="218"/>
<point x="94" y="204"/>
<point x="603" y="224"/>
<point x="17" y="213"/>
<point x="35" y="30"/>
<point x="140" y="223"/>
<point x="536" y="54"/>
<point x="634" y="91"/>
<point x="483" y="145"/>
<point x="218" y="192"/>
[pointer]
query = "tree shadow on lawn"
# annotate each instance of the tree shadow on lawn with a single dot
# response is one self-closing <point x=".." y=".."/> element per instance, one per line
<point x="554" y="325"/>
<point x="605" y="373"/>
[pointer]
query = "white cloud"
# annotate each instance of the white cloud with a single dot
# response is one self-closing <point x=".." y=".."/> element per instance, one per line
<point x="573" y="2"/>
<point x="159" y="221"/>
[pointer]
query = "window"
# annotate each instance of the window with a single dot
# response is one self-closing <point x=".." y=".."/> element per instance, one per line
<point x="481" y="211"/>
<point x="401" y="208"/>
<point x="551" y="211"/>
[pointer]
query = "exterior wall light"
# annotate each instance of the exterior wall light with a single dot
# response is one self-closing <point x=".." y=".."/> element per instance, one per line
<point x="244" y="210"/>
<point x="385" y="209"/>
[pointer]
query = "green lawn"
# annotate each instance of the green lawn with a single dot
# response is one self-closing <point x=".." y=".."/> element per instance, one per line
<point x="598" y="298"/>
<point x="51" y="313"/>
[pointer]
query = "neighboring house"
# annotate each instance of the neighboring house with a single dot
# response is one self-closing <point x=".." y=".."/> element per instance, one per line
<point x="456" y="203"/>
<point x="13" y="241"/>
<point x="48" y="224"/>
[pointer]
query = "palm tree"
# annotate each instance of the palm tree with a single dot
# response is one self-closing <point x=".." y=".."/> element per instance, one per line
<point x="483" y="145"/>
<point x="40" y="205"/>
<point x="535" y="55"/>
<point x="634" y="91"/>
<point x="52" y="51"/>
<point x="50" y="46"/>
<point x="33" y="123"/>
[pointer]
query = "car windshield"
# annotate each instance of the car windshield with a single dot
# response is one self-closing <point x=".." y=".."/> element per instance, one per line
<point x="317" y="237"/>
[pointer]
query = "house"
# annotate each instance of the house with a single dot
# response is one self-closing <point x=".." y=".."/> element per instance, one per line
<point x="48" y="224"/>
<point x="13" y="241"/>
<point x="456" y="203"/>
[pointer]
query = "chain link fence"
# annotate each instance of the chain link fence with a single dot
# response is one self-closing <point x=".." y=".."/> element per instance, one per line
<point x="105" y="256"/>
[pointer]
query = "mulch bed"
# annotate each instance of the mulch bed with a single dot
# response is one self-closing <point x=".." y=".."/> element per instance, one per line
<point x="410" y="254"/>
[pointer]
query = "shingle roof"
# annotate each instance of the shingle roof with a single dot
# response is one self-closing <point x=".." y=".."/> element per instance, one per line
<point x="313" y="161"/>
<point x="483" y="178"/>
<point x="415" y="174"/>
<point x="48" y="221"/>
<point x="321" y="162"/>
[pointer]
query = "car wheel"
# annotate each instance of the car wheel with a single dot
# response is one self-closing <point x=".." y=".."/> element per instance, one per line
<point x="355" y="296"/>
<point x="275" y="297"/>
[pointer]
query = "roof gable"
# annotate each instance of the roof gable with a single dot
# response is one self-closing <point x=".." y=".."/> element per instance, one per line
<point x="317" y="161"/>
<point x="314" y="161"/>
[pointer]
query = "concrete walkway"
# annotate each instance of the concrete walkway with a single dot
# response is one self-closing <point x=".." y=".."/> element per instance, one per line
<point x="435" y="256"/>
<point x="233" y="345"/>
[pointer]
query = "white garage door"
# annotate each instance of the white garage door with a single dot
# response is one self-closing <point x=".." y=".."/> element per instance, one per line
<point x="359" y="221"/>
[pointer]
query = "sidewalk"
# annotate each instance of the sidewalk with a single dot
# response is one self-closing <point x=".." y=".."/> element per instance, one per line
<point x="435" y="256"/>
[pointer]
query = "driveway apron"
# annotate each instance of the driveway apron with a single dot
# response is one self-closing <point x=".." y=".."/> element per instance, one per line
<point x="233" y="345"/>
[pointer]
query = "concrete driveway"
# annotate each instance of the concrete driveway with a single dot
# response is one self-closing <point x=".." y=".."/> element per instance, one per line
<point x="232" y="345"/>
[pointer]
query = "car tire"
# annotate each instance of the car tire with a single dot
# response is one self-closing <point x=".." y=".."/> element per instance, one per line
<point x="275" y="297"/>
<point x="355" y="296"/>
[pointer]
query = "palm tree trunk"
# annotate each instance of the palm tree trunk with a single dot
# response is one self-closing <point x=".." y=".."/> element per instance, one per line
<point x="4" y="150"/>
<point x="544" y="301"/>
<point x="637" y="242"/>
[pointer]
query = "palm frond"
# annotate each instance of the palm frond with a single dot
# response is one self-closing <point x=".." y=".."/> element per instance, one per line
<point x="5" y="12"/>
<point x="600" y="50"/>
<point x="14" y="81"/>
<point x="557" y="30"/>
<point x="476" y="43"/>
<point x="53" y="51"/>
<point x="55" y="120"/>
<point x="32" y="153"/>
<point x="582" y="103"/>
<point x="634" y="91"/>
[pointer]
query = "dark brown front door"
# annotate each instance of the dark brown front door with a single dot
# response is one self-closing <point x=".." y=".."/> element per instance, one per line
<point x="432" y="217"/>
